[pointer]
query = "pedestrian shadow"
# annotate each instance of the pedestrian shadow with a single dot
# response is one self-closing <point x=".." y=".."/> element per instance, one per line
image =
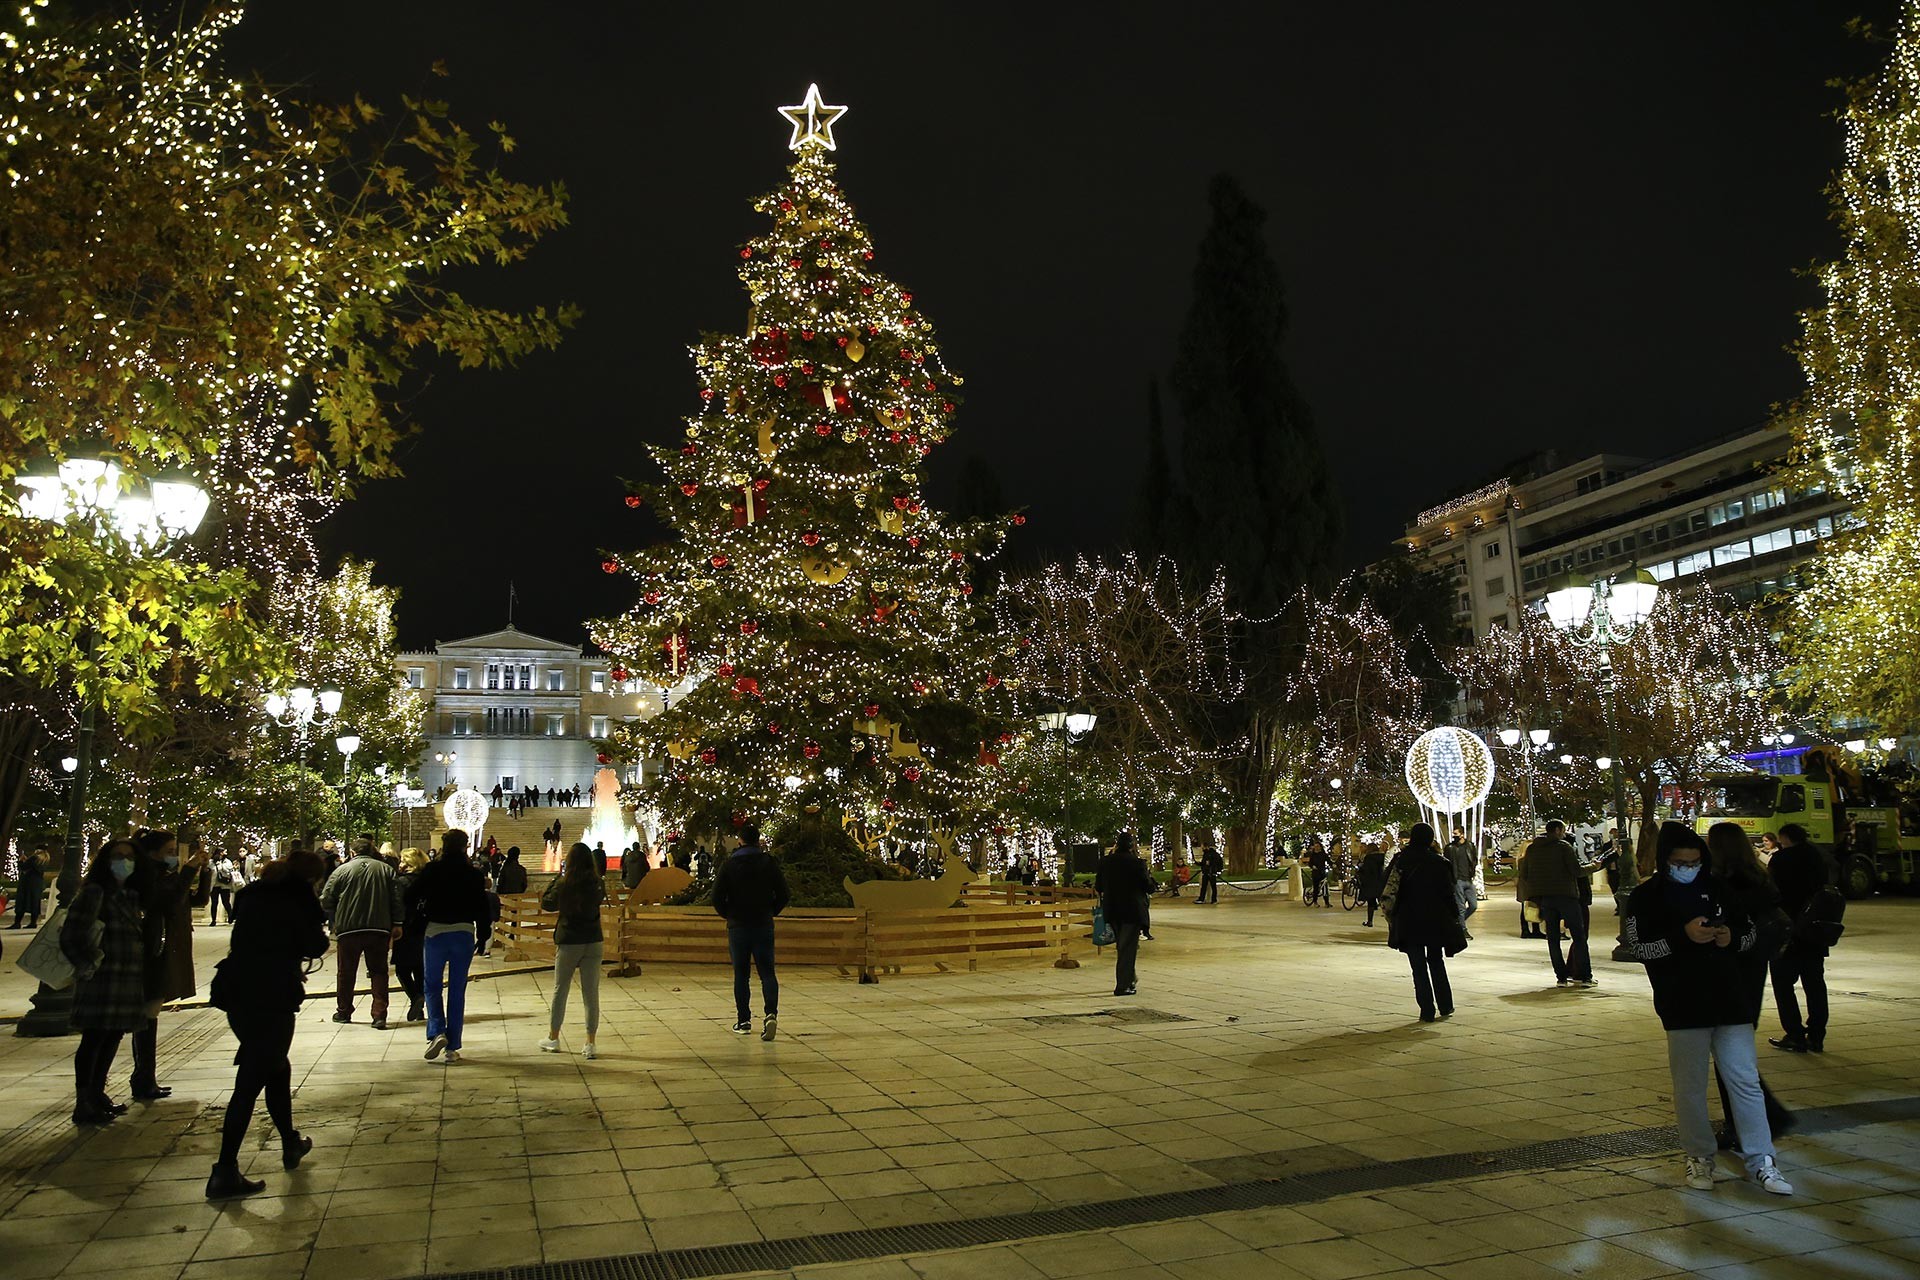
<point x="1348" y="1046"/>
<point x="1548" y="995"/>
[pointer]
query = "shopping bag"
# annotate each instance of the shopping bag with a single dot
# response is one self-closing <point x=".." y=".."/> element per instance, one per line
<point x="1102" y="934"/>
<point x="1532" y="912"/>
<point x="43" y="958"/>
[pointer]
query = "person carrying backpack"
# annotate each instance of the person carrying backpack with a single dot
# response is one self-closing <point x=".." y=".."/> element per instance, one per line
<point x="1799" y="872"/>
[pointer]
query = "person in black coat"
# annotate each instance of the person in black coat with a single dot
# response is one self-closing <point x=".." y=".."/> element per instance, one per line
<point x="1423" y="919"/>
<point x="1799" y="871"/>
<point x="1737" y="868"/>
<point x="1211" y="865"/>
<point x="1371" y="880"/>
<point x="1124" y="883"/>
<point x="31" y="889"/>
<point x="451" y="894"/>
<point x="277" y="927"/>
<point x="1689" y="932"/>
<point x="750" y="891"/>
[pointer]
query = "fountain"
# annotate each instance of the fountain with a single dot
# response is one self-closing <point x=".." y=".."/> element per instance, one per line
<point x="610" y="824"/>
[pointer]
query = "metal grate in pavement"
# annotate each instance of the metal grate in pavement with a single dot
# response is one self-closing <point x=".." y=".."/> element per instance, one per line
<point x="1305" y="1188"/>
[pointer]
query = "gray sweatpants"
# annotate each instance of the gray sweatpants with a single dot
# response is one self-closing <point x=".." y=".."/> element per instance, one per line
<point x="584" y="956"/>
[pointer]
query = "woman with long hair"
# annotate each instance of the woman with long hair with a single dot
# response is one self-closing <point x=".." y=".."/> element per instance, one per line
<point x="407" y="954"/>
<point x="277" y="927"/>
<point x="451" y="896"/>
<point x="1423" y="919"/>
<point x="110" y="989"/>
<point x="576" y="893"/>
<point x="174" y="888"/>
<point x="1736" y="867"/>
<point x="1689" y="932"/>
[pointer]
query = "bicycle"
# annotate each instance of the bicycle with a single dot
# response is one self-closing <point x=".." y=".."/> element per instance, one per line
<point x="1349" y="897"/>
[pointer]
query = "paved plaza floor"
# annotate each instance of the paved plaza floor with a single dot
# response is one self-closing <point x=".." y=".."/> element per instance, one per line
<point x="1268" y="1105"/>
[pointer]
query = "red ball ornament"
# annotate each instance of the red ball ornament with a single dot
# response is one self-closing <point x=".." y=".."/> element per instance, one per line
<point x="686" y="451"/>
<point x="966" y="588"/>
<point x="706" y="393"/>
<point x="893" y="437"/>
<point x="609" y="566"/>
<point x="913" y="508"/>
<point x="899" y="415"/>
<point x="1006" y="737"/>
<point x="652" y="597"/>
<point x="947" y="407"/>
<point x="806" y="335"/>
<point x="810" y="539"/>
<point x="794" y="263"/>
<point x="747" y="685"/>
<point x="920" y="687"/>
<point x="868" y="256"/>
<point x="746" y="253"/>
<point x="841" y="340"/>
<point x="786" y="206"/>
<point x="910" y="773"/>
<point x="748" y="627"/>
<point x="760" y="486"/>
<point x="887" y="805"/>
<point x="689" y="489"/>
<point x="955" y="555"/>
<point x="925" y="449"/>
<point x="914" y="542"/>
<point x="823" y="429"/>
<point x="872" y="709"/>
<point x="603" y="757"/>
<point x="724" y="670"/>
<point x="739" y="819"/>
<point x="773" y="727"/>
<point x="811" y="751"/>
<point x="1019" y="519"/>
<point x="900" y="502"/>
<point x="866" y="290"/>
<point x="993" y="682"/>
<point x="618" y="673"/>
<point x="807" y="367"/>
<point x="634" y="500"/>
<point x="709" y="756"/>
<point x="906" y="382"/>
<point x="779" y="379"/>
<point x="719" y="562"/>
<point x="906" y="299"/>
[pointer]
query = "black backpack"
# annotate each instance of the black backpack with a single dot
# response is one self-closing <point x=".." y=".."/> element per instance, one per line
<point x="1821" y="921"/>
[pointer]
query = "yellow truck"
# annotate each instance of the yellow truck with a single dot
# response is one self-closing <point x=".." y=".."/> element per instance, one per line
<point x="1873" y="839"/>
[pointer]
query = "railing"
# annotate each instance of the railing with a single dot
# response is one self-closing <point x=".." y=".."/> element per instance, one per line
<point x="1037" y="923"/>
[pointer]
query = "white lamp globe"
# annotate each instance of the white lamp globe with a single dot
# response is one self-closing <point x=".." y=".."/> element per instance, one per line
<point x="1449" y="770"/>
<point x="1569" y="602"/>
<point x="1633" y="597"/>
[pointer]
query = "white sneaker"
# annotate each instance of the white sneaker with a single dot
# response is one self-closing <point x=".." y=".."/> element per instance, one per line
<point x="1700" y="1172"/>
<point x="435" y="1046"/>
<point x="549" y="1046"/>
<point x="766" y="1031"/>
<point x="453" y="1056"/>
<point x="589" y="1051"/>
<point x="1770" y="1178"/>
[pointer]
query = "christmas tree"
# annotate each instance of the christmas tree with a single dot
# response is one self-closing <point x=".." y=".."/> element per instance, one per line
<point x="819" y="607"/>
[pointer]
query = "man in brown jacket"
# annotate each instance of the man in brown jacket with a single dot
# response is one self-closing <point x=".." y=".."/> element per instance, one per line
<point x="1550" y="876"/>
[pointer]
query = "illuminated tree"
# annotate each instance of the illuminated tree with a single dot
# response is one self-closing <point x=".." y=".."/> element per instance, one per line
<point x="1851" y="629"/>
<point x="823" y="605"/>
<point x="1691" y="683"/>
<point x="201" y="274"/>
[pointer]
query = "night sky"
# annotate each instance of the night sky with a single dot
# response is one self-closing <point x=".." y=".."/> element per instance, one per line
<point x="1501" y="228"/>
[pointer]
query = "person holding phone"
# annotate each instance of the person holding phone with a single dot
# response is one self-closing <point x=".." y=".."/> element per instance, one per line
<point x="1684" y="926"/>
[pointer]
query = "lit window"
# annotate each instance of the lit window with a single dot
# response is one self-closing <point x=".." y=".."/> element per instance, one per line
<point x="463" y="726"/>
<point x="1493" y="551"/>
<point x="1731" y="552"/>
<point x="599" y="682"/>
<point x="462" y="678"/>
<point x="491" y="726"/>
<point x="556" y="681"/>
<point x="526" y="677"/>
<point x="556" y="726"/>
<point x="1661" y="572"/>
<point x="1692" y="562"/>
<point x="416" y="677"/>
<point x="599" y="727"/>
<point x="493" y="675"/>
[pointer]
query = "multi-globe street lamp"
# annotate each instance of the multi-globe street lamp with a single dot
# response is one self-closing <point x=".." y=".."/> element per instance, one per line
<point x="301" y="708"/>
<point x="446" y="760"/>
<point x="1603" y="613"/>
<point x="346" y="744"/>
<point x="94" y="494"/>
<point x="1072" y="726"/>
<point x="1537" y="740"/>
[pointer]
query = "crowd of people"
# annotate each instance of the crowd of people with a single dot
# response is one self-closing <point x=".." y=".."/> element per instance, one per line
<point x="521" y="799"/>
<point x="128" y="936"/>
<point x="1711" y="924"/>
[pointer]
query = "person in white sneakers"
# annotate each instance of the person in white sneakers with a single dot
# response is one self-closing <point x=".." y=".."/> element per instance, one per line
<point x="1689" y="932"/>
<point x="576" y="894"/>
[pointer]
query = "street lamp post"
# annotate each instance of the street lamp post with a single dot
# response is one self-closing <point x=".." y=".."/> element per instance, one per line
<point x="1073" y="726"/>
<point x="1537" y="740"/>
<point x="1601" y="614"/>
<point x="150" y="514"/>
<point x="346" y="744"/>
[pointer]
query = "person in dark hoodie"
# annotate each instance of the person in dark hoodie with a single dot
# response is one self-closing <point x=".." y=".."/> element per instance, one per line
<point x="451" y="895"/>
<point x="278" y="925"/>
<point x="1689" y="933"/>
<point x="1736" y="868"/>
<point x="750" y="891"/>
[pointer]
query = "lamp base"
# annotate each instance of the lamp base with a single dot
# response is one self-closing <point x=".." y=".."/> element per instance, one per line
<point x="49" y="1015"/>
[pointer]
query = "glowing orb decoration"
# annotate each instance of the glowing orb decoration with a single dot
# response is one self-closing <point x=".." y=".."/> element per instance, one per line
<point x="466" y="811"/>
<point x="1450" y="770"/>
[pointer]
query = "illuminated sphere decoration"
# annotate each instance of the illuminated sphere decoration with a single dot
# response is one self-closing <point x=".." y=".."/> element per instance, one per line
<point x="465" y="810"/>
<point x="1450" y="770"/>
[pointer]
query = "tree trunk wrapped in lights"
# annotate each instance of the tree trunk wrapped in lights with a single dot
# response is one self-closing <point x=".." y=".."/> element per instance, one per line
<point x="835" y="657"/>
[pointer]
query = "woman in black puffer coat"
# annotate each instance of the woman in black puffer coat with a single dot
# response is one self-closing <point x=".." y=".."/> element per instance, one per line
<point x="1423" y="919"/>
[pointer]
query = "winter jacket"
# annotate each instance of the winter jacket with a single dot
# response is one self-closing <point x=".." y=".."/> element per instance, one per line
<point x="1371" y="880"/>
<point x="1549" y="869"/>
<point x="572" y="928"/>
<point x="513" y="877"/>
<point x="1424" y="910"/>
<point x="448" y="892"/>
<point x="750" y="889"/>
<point x="1760" y="903"/>
<point x="363" y="896"/>
<point x="278" y="925"/>
<point x="1123" y="883"/>
<point x="110" y="985"/>
<point x="1695" y="984"/>
<point x="167" y="909"/>
<point x="1464" y="860"/>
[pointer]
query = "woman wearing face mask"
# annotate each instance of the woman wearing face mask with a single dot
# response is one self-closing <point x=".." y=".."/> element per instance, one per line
<point x="1689" y="932"/>
<point x="109" y="992"/>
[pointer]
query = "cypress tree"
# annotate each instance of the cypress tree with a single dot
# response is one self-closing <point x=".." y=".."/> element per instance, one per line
<point x="1252" y="461"/>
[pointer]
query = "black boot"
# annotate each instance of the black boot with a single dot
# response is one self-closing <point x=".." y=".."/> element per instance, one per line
<point x="226" y="1183"/>
<point x="293" y="1149"/>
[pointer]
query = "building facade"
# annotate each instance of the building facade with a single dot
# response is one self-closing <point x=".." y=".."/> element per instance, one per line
<point x="515" y="710"/>
<point x="1717" y="514"/>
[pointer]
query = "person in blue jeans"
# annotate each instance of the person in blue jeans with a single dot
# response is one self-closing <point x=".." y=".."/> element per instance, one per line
<point x="750" y="891"/>
<point x="450" y="894"/>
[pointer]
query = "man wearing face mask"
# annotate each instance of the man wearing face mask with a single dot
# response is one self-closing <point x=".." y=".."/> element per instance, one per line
<point x="1682" y="927"/>
<point x="173" y="888"/>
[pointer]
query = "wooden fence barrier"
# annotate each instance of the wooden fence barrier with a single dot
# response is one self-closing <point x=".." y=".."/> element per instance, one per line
<point x="853" y="941"/>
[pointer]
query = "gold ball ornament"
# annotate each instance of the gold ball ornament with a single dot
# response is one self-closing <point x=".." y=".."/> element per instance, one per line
<point x="824" y="570"/>
<point x="856" y="350"/>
